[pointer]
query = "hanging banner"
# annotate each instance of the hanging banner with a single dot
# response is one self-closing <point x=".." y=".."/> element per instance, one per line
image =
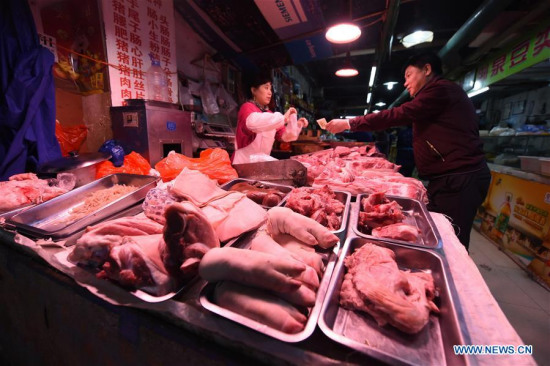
<point x="523" y="55"/>
<point x="516" y="216"/>
<point x="135" y="29"/>
<point x="289" y="18"/>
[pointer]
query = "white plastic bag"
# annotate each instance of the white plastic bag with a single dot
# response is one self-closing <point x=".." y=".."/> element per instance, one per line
<point x="208" y="99"/>
<point x="225" y="101"/>
<point x="292" y="129"/>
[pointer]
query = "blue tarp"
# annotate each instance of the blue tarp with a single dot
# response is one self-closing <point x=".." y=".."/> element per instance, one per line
<point x="27" y="94"/>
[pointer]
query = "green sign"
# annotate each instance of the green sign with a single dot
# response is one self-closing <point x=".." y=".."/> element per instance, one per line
<point x="522" y="55"/>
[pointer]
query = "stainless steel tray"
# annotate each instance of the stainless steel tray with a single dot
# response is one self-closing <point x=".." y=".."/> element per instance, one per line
<point x="345" y="198"/>
<point x="416" y="214"/>
<point x="49" y="219"/>
<point x="359" y="331"/>
<point x="282" y="188"/>
<point x="207" y="293"/>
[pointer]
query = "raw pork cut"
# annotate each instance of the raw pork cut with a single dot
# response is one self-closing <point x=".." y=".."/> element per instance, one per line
<point x="94" y="246"/>
<point x="136" y="263"/>
<point x="27" y="188"/>
<point x="374" y="284"/>
<point x="282" y="220"/>
<point x="319" y="204"/>
<point x="397" y="231"/>
<point x="188" y="235"/>
<point x="261" y="306"/>
<point x="378" y="210"/>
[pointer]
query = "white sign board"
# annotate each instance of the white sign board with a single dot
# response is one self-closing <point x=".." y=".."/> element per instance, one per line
<point x="133" y="30"/>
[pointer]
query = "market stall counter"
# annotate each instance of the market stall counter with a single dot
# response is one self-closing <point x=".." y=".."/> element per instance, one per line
<point x="49" y="318"/>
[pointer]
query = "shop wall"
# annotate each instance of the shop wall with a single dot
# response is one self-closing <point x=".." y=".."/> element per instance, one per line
<point x="191" y="47"/>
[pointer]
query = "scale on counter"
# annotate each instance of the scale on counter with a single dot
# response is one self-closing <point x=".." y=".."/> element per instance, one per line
<point x="217" y="132"/>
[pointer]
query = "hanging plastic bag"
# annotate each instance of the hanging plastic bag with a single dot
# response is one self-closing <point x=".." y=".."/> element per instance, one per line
<point x="225" y="101"/>
<point x="213" y="162"/>
<point x="208" y="99"/>
<point x="186" y="99"/>
<point x="70" y="137"/>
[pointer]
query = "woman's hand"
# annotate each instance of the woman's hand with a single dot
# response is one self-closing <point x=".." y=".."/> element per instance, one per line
<point x="302" y="122"/>
<point x="290" y="111"/>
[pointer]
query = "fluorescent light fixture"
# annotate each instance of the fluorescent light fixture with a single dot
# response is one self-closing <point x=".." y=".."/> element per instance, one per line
<point x="372" y="75"/>
<point x="376" y="111"/>
<point x="417" y="37"/>
<point x="473" y="93"/>
<point x="346" y="72"/>
<point x="366" y="111"/>
<point x="390" y="84"/>
<point x="368" y="97"/>
<point x="350" y="117"/>
<point x="343" y="33"/>
<point x="380" y="104"/>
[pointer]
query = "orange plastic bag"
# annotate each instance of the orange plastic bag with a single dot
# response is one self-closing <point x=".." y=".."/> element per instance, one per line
<point x="215" y="163"/>
<point x="70" y="137"/>
<point x="134" y="163"/>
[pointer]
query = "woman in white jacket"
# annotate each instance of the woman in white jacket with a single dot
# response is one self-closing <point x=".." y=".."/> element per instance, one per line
<point x="258" y="127"/>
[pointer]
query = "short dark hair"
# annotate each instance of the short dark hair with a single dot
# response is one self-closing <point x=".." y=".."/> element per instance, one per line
<point x="421" y="59"/>
<point x="254" y="80"/>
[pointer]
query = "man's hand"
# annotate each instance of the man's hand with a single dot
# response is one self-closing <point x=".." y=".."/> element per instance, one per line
<point x="338" y="125"/>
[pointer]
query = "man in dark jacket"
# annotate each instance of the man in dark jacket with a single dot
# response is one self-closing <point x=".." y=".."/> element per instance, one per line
<point x="447" y="148"/>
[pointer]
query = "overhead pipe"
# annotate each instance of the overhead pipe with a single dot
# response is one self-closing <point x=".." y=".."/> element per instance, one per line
<point x="469" y="30"/>
<point x="384" y="46"/>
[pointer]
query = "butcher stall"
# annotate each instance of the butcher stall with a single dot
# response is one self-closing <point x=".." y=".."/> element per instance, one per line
<point x="131" y="270"/>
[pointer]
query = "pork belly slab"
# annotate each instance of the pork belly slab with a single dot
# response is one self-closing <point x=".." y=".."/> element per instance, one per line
<point x="374" y="284"/>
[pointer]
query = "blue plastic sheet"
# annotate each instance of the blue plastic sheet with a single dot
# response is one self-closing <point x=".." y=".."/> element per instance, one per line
<point x="27" y="94"/>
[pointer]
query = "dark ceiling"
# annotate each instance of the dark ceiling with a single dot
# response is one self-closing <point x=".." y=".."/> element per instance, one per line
<point x="242" y="35"/>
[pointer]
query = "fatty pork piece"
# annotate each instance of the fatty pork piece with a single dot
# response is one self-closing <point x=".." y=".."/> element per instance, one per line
<point x="261" y="306"/>
<point x="319" y="204"/>
<point x="397" y="231"/>
<point x="188" y="235"/>
<point x="269" y="197"/>
<point x="136" y="264"/>
<point x="374" y="284"/>
<point x="378" y="210"/>
<point x="94" y="246"/>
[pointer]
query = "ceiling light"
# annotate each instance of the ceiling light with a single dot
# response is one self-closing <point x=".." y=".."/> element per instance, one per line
<point x="350" y="117"/>
<point x="417" y="37"/>
<point x="376" y="111"/>
<point x="372" y="75"/>
<point x="380" y="104"/>
<point x="368" y="97"/>
<point x="343" y="33"/>
<point x="390" y="84"/>
<point x="366" y="111"/>
<point x="347" y="70"/>
<point x="473" y="93"/>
